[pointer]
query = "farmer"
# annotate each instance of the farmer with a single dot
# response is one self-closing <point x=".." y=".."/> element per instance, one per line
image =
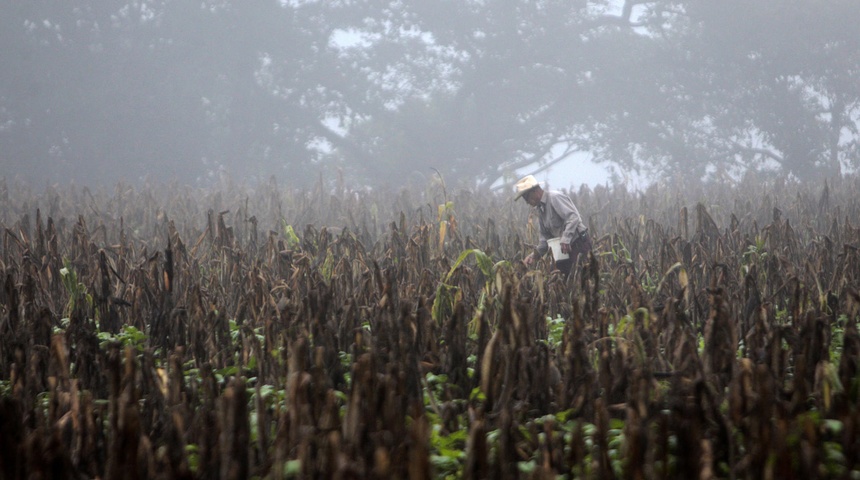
<point x="558" y="218"/>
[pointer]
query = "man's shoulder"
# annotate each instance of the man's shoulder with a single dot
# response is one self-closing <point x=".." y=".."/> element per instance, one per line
<point x="557" y="194"/>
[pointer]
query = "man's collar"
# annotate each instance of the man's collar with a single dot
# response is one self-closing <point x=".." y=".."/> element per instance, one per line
<point x="541" y="205"/>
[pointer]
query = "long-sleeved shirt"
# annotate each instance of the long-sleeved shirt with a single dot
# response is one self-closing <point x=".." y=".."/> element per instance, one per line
<point x="558" y="217"/>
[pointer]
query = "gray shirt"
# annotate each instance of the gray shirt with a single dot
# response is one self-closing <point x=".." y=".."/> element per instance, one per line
<point x="558" y="218"/>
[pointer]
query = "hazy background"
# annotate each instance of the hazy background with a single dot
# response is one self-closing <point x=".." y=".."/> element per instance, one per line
<point x="388" y="93"/>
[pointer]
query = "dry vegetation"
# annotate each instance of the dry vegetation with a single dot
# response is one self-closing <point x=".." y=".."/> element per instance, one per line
<point x="168" y="332"/>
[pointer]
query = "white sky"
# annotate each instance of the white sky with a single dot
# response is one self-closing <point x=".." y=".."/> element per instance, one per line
<point x="573" y="172"/>
<point x="577" y="170"/>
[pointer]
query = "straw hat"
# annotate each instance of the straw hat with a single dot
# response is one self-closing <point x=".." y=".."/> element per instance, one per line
<point x="524" y="185"/>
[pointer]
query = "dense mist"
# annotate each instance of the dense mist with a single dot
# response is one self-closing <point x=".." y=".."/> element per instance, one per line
<point x="387" y="93"/>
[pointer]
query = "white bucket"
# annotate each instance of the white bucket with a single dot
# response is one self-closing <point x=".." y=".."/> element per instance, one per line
<point x="555" y="245"/>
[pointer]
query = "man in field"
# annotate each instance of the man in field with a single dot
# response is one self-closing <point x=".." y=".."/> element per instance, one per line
<point x="558" y="217"/>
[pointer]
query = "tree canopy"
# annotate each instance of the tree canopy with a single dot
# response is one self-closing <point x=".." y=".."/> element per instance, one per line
<point x="387" y="91"/>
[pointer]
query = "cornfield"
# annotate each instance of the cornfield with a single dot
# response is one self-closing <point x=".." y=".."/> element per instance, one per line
<point x="262" y="332"/>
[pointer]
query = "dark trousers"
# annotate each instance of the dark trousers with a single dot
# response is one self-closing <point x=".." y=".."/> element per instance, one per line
<point x="579" y="249"/>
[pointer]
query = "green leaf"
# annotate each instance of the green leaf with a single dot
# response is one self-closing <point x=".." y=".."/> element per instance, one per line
<point x="834" y="426"/>
<point x="484" y="263"/>
<point x="232" y="370"/>
<point x="444" y="301"/>
<point x="463" y="255"/>
<point x="527" y="467"/>
<point x="444" y="463"/>
<point x="266" y="390"/>
<point x="477" y="395"/>
<point x="292" y="239"/>
<point x="293" y="468"/>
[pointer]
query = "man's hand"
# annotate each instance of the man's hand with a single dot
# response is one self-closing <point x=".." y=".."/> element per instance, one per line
<point x="565" y="248"/>
<point x="529" y="260"/>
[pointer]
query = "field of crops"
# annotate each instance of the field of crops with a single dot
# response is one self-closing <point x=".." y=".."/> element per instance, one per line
<point x="238" y="332"/>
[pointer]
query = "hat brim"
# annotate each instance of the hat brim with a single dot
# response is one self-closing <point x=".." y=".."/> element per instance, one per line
<point x="517" y="197"/>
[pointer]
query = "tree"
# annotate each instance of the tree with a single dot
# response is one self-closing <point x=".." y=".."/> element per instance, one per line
<point x="737" y="87"/>
<point x="91" y="99"/>
<point x="477" y="89"/>
<point x="490" y="87"/>
<point x="682" y="88"/>
<point x="166" y="89"/>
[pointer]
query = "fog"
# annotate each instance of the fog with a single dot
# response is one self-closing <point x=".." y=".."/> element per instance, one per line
<point x="386" y="93"/>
